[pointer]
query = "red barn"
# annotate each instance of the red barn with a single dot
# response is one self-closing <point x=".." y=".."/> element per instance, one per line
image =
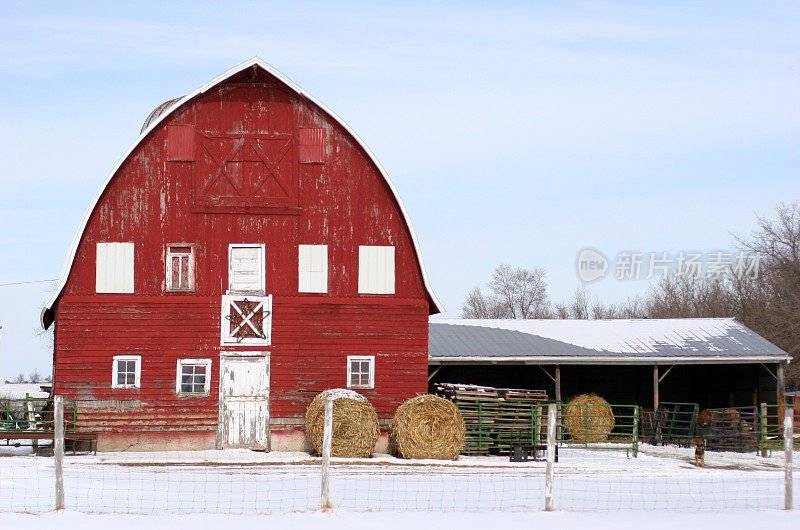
<point x="247" y="252"/>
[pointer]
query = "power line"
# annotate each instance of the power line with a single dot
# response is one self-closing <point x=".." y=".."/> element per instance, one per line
<point x="21" y="283"/>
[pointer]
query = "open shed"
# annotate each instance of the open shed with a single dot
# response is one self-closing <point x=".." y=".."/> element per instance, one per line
<point x="715" y="362"/>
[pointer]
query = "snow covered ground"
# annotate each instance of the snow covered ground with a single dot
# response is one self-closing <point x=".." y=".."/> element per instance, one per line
<point x="246" y="482"/>
<point x="339" y="520"/>
<point x="14" y="390"/>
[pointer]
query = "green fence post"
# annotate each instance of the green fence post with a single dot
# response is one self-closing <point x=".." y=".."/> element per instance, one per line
<point x="692" y="425"/>
<point x="635" y="431"/>
<point x="480" y="427"/>
<point x="762" y="435"/>
<point x="586" y="422"/>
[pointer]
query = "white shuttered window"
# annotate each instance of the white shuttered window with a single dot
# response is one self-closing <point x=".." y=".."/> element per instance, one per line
<point x="246" y="269"/>
<point x="313" y="268"/>
<point x="375" y="270"/>
<point x="114" y="272"/>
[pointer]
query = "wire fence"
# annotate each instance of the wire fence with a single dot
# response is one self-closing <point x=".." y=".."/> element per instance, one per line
<point x="573" y="460"/>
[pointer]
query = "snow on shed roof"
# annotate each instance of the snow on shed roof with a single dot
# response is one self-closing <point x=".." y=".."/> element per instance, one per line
<point x="165" y="109"/>
<point x="643" y="341"/>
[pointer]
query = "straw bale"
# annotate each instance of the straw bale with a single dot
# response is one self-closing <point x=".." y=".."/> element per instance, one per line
<point x="600" y="418"/>
<point x="355" y="423"/>
<point x="427" y="427"/>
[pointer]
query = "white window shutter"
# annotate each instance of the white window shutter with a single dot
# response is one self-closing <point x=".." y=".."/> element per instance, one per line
<point x="376" y="269"/>
<point x="114" y="271"/>
<point x="246" y="269"/>
<point x="126" y="257"/>
<point x="312" y="268"/>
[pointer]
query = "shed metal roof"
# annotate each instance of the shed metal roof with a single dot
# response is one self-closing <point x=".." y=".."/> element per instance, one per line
<point x="642" y="341"/>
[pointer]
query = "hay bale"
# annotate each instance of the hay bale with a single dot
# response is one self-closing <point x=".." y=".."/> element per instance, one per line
<point x="427" y="427"/>
<point x="600" y="418"/>
<point x="355" y="423"/>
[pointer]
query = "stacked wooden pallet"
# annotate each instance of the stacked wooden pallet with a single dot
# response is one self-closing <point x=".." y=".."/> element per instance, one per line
<point x="496" y="418"/>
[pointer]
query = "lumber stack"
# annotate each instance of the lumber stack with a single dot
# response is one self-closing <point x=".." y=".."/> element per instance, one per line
<point x="496" y="418"/>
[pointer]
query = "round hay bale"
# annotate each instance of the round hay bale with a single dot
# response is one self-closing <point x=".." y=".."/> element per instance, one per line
<point x="596" y="427"/>
<point x="427" y="427"/>
<point x="355" y="423"/>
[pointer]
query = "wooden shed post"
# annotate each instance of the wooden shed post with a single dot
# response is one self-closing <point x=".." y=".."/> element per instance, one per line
<point x="781" y="386"/>
<point x="558" y="384"/>
<point x="755" y="385"/>
<point x="655" y="387"/>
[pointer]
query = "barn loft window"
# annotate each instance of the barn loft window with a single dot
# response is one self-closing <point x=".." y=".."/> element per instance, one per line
<point x="180" y="267"/>
<point x="126" y="371"/>
<point x="246" y="269"/>
<point x="246" y="320"/>
<point x="114" y="268"/>
<point x="375" y="270"/>
<point x="313" y="268"/>
<point x="312" y="146"/>
<point x="361" y="371"/>
<point x="194" y="376"/>
<point x="246" y="173"/>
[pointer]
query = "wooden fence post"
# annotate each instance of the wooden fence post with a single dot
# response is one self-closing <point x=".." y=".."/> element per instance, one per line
<point x="327" y="441"/>
<point x="788" y="443"/>
<point x="551" y="456"/>
<point x="31" y="420"/>
<point x="58" y="449"/>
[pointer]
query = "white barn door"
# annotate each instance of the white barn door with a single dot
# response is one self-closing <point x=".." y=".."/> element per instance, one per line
<point x="244" y="402"/>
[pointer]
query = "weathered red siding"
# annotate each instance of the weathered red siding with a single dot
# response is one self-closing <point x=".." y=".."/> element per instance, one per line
<point x="154" y="200"/>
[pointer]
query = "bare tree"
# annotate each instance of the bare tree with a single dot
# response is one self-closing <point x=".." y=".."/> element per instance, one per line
<point x="561" y="310"/>
<point x="20" y="378"/>
<point x="35" y="377"/>
<point x="631" y="308"/>
<point x="770" y="300"/>
<point x="578" y="306"/>
<point x="478" y="305"/>
<point x="515" y="293"/>
<point x="521" y="293"/>
<point x="685" y="296"/>
<point x="765" y="298"/>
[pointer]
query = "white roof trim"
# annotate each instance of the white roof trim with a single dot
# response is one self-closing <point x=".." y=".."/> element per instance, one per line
<point x="255" y="61"/>
<point x="619" y="359"/>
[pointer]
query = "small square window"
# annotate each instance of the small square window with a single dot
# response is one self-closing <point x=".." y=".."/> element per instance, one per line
<point x="180" y="268"/>
<point x="126" y="371"/>
<point x="193" y="376"/>
<point x="360" y="371"/>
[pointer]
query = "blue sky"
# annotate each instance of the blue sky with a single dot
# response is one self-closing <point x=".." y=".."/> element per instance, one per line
<point x="516" y="133"/>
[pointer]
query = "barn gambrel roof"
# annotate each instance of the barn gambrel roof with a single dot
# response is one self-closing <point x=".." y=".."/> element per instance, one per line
<point x="169" y="108"/>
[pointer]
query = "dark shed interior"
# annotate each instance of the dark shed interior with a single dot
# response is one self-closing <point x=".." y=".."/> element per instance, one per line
<point x="709" y="385"/>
